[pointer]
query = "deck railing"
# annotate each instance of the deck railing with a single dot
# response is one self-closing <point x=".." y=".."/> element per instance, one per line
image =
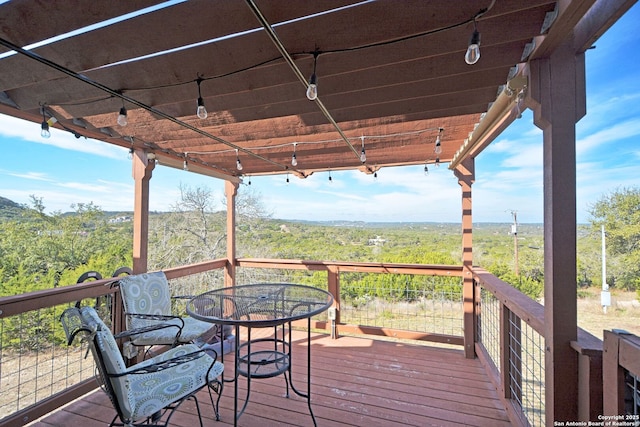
<point x="510" y="341"/>
<point x="39" y="373"/>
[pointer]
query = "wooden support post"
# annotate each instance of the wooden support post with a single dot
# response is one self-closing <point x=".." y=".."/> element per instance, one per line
<point x="557" y="93"/>
<point x="142" y="169"/>
<point x="231" y="191"/>
<point x="465" y="172"/>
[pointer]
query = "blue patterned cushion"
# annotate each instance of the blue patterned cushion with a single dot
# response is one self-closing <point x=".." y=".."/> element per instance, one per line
<point x="148" y="293"/>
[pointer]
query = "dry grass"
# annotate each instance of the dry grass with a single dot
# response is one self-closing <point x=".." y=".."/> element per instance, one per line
<point x="27" y="378"/>
<point x="624" y="312"/>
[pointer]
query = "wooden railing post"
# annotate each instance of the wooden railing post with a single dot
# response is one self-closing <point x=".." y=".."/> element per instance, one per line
<point x="590" y="395"/>
<point x="612" y="375"/>
<point x="333" y="279"/>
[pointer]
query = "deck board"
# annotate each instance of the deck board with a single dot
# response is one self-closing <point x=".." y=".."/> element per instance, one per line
<point x="355" y="381"/>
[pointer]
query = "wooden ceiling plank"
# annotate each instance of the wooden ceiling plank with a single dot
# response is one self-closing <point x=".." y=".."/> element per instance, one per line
<point x="173" y="27"/>
<point x="24" y="22"/>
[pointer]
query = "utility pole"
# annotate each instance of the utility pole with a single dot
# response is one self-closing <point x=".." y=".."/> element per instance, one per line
<point x="514" y="231"/>
<point x="605" y="296"/>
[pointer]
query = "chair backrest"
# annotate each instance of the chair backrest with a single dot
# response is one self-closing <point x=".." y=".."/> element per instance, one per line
<point x="105" y="351"/>
<point x="146" y="293"/>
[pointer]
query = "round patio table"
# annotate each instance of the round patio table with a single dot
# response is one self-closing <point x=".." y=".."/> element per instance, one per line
<point x="263" y="305"/>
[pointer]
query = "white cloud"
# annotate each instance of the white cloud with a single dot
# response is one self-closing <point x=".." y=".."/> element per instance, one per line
<point x="615" y="133"/>
<point x="11" y="127"/>
<point x="38" y="176"/>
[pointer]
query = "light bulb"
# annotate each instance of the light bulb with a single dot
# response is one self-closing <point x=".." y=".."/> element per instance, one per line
<point x="45" y="130"/>
<point x="312" y="89"/>
<point x="185" y="166"/>
<point x="294" y="160"/>
<point x="438" y="148"/>
<point x="238" y="164"/>
<point x="473" y="51"/>
<point x="437" y="162"/>
<point x="287" y="178"/>
<point x="363" y="156"/>
<point x="122" y="117"/>
<point x="201" y="111"/>
<point x="426" y="169"/>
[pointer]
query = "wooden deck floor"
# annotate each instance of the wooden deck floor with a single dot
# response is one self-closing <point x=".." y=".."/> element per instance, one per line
<point x="355" y="381"/>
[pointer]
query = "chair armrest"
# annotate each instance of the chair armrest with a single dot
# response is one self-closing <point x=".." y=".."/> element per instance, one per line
<point x="158" y="317"/>
<point x="162" y="365"/>
<point x="138" y="331"/>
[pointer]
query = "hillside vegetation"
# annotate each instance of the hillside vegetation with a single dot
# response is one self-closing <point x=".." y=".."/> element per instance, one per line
<point x="39" y="251"/>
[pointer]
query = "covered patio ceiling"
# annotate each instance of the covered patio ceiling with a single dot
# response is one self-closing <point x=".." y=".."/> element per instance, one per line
<point x="391" y="77"/>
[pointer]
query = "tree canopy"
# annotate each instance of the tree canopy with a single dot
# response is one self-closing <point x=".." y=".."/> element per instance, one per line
<point x="619" y="212"/>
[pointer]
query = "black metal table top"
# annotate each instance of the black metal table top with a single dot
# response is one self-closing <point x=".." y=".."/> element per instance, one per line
<point x="259" y="305"/>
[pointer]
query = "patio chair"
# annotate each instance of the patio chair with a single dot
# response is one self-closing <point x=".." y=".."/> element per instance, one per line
<point x="150" y="391"/>
<point x="147" y="304"/>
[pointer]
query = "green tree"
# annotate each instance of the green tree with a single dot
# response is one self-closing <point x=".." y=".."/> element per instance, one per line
<point x="40" y="251"/>
<point x="619" y="212"/>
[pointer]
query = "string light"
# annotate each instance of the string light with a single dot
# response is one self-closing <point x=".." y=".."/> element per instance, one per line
<point x="185" y="166"/>
<point x="330" y="179"/>
<point x="312" y="88"/>
<point x="287" y="177"/>
<point x="473" y="51"/>
<point x="201" y="111"/>
<point x="437" y="162"/>
<point x="122" y="116"/>
<point x="294" y="155"/>
<point x="44" y="132"/>
<point x="438" y="147"/>
<point x="294" y="159"/>
<point x="238" y="163"/>
<point x="426" y="169"/>
<point x="44" y="127"/>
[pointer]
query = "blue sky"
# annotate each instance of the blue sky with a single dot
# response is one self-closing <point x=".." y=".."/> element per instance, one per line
<point x="63" y="170"/>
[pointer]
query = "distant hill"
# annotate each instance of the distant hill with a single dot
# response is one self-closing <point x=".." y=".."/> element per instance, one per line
<point x="9" y="209"/>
